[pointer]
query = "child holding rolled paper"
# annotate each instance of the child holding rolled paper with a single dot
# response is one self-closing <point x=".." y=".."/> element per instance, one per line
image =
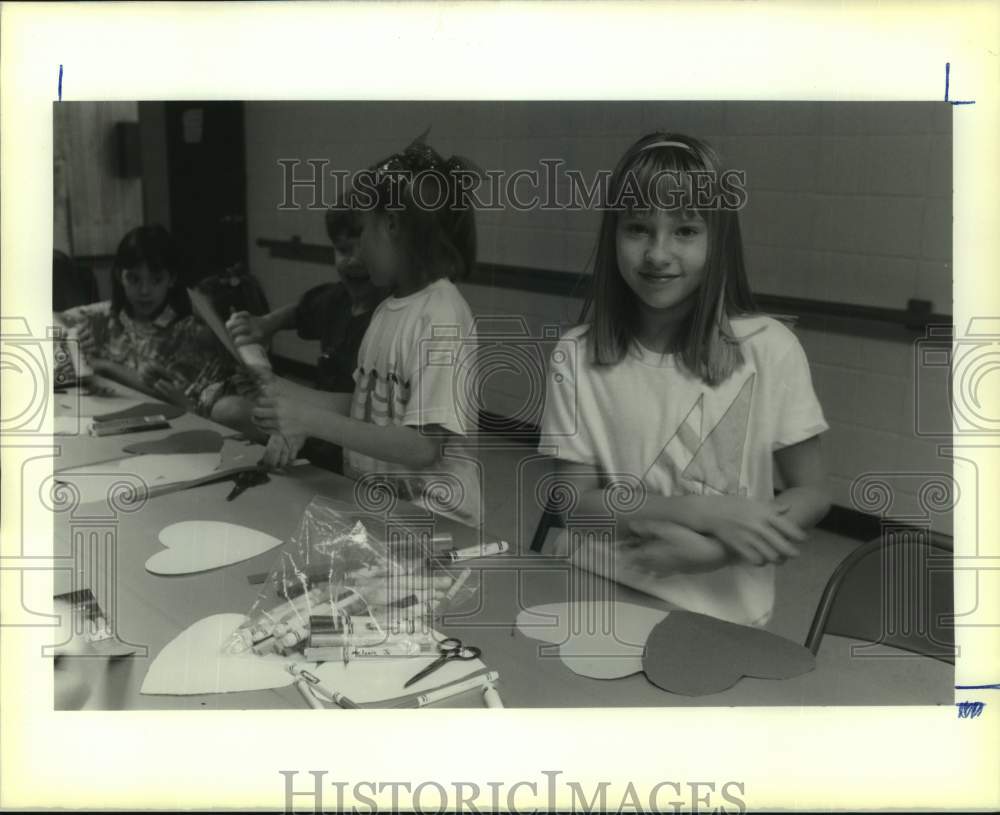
<point x="336" y="314"/>
<point x="409" y="422"/>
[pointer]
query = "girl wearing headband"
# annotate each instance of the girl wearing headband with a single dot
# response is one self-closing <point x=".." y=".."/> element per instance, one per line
<point x="676" y="386"/>
<point x="408" y="424"/>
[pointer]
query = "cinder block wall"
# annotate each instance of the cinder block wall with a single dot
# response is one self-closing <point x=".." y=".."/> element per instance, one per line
<point x="849" y="202"/>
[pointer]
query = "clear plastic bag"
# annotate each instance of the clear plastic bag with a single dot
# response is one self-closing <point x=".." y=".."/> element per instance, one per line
<point x="350" y="580"/>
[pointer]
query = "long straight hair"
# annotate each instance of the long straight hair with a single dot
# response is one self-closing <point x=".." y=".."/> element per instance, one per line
<point x="152" y="246"/>
<point x="706" y="344"/>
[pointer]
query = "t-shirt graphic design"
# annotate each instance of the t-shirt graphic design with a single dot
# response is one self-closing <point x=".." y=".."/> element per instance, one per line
<point x="384" y="397"/>
<point x="709" y="465"/>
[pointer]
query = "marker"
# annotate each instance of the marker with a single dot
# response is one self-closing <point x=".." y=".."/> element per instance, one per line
<point x="337" y="698"/>
<point x="470" y="552"/>
<point x="491" y="696"/>
<point x="449" y="691"/>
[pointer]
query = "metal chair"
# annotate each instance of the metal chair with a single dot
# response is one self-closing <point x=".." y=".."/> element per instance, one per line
<point x="550" y="519"/>
<point x="895" y="590"/>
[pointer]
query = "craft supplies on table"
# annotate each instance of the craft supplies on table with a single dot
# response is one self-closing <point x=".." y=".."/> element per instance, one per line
<point x="338" y="584"/>
<point x="449" y="648"/>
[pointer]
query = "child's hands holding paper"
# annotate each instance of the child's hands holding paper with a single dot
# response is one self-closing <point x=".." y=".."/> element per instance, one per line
<point x="163" y="383"/>
<point x="664" y="548"/>
<point x="281" y="451"/>
<point x="283" y="408"/>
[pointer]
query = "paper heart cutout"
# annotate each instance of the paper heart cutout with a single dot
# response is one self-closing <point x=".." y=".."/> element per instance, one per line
<point x="597" y="639"/>
<point x="197" y="546"/>
<point x="696" y="655"/>
<point x="143" y="409"/>
<point x="194" y="663"/>
<point x="187" y="441"/>
<point x="627" y="566"/>
<point x="97" y="482"/>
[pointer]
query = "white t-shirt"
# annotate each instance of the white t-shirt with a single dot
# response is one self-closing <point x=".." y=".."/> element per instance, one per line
<point x="648" y="418"/>
<point x="415" y="368"/>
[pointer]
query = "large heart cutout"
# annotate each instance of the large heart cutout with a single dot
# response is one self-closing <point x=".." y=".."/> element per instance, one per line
<point x="99" y="482"/>
<point x="188" y="441"/>
<point x="367" y="680"/>
<point x="696" y="655"/>
<point x="197" y="546"/>
<point x="598" y="639"/>
<point x="152" y="474"/>
<point x="195" y="662"/>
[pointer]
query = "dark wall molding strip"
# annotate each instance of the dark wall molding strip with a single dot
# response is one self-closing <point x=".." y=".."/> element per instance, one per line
<point x="848" y="318"/>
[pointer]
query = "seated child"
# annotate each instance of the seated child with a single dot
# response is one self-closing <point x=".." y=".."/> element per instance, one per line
<point x="678" y="392"/>
<point x="337" y="314"/>
<point x="146" y="337"/>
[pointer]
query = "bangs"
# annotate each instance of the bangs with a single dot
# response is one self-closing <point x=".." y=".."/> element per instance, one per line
<point x="148" y="246"/>
<point x="665" y="178"/>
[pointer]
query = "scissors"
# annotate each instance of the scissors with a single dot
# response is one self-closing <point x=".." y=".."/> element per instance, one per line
<point x="450" y="648"/>
<point x="246" y="479"/>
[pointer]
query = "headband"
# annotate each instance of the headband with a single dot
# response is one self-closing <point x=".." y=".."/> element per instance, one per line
<point x="667" y="144"/>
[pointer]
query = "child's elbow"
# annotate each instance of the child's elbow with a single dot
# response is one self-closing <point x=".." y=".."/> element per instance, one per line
<point x="822" y="501"/>
<point x="426" y="453"/>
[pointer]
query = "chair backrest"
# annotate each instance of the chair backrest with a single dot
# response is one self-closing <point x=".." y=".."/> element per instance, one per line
<point x="896" y="591"/>
<point x="551" y="519"/>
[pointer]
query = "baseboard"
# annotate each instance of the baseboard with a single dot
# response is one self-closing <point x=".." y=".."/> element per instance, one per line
<point x="851" y="523"/>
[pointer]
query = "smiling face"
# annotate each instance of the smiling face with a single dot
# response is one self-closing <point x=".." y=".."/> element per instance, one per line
<point x="661" y="256"/>
<point x="146" y="290"/>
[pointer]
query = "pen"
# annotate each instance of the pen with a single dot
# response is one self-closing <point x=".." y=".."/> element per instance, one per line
<point x="337" y="698"/>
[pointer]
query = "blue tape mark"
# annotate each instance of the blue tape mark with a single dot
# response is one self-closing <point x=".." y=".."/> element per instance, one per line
<point x="60" y="81"/>
<point x="947" y="84"/>
<point x="978" y="687"/>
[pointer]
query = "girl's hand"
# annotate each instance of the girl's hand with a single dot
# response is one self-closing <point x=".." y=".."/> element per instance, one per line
<point x="281" y="451"/>
<point x="246" y="329"/>
<point x="163" y="383"/>
<point x="663" y="548"/>
<point x="755" y="530"/>
<point x="282" y="409"/>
